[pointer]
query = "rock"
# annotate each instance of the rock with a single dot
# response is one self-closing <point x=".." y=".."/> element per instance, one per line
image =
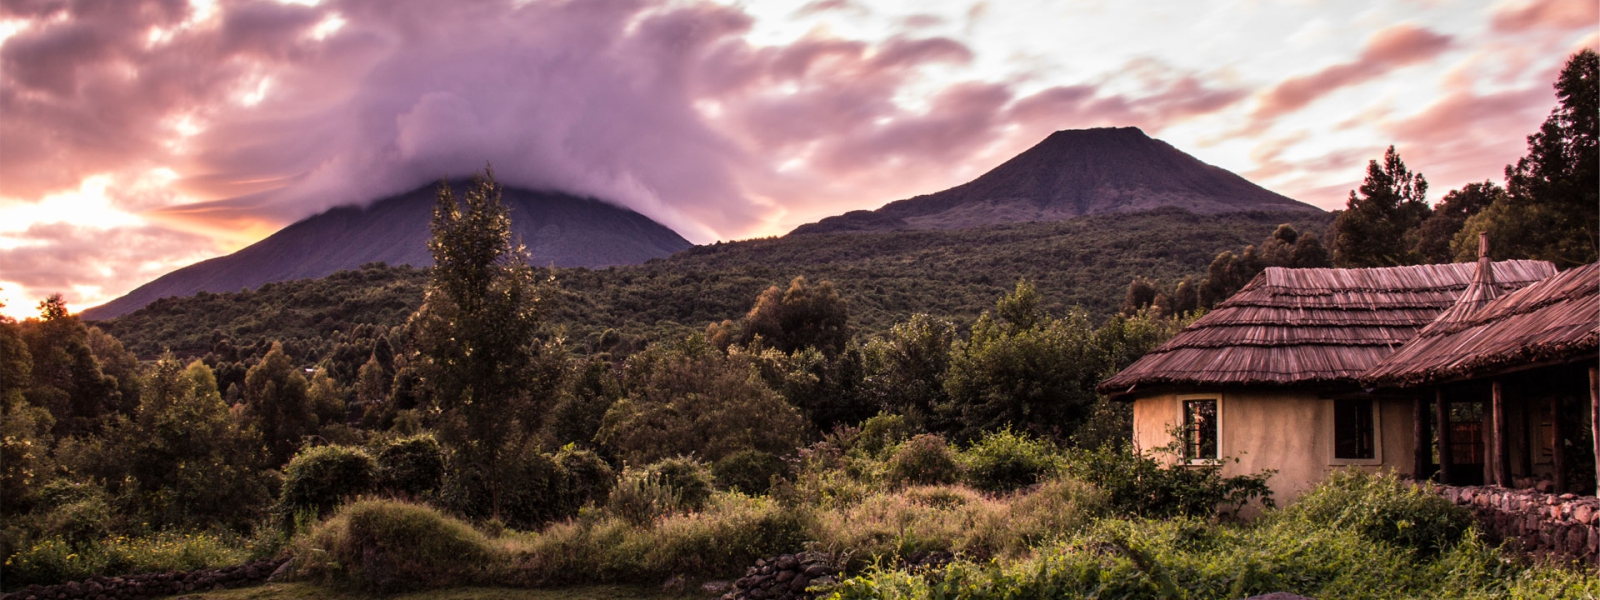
<point x="787" y="562"/>
<point x="799" y="584"/>
<point x="282" y="573"/>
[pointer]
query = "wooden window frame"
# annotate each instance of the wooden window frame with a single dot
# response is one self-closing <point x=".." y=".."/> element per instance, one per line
<point x="1183" y="428"/>
<point x="1330" y="412"/>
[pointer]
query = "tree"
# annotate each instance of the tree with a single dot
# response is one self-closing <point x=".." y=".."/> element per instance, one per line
<point x="191" y="463"/>
<point x="1551" y="209"/>
<point x="906" y="367"/>
<point x="803" y="316"/>
<point x="65" y="376"/>
<point x="1371" y="230"/>
<point x="1435" y="235"/>
<point x="687" y="398"/>
<point x="1023" y="368"/>
<point x="474" y="338"/>
<point x="276" y="400"/>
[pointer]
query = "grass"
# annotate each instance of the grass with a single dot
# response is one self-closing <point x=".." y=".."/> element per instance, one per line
<point x="305" y="591"/>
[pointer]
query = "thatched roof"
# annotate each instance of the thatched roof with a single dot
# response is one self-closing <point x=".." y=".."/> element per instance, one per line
<point x="1311" y="326"/>
<point x="1555" y="320"/>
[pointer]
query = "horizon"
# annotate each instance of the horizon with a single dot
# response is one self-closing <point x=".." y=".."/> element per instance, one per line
<point x="145" y="138"/>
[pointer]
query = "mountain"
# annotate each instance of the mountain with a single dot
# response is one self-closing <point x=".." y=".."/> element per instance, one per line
<point x="1070" y="174"/>
<point x="885" y="276"/>
<point x="558" y="229"/>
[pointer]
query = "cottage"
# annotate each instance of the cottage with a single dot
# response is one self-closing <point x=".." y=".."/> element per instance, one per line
<point x="1514" y="378"/>
<point x="1272" y="376"/>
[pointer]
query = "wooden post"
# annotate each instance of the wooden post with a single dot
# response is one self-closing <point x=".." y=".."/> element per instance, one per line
<point x="1558" y="459"/>
<point x="1419" y="433"/>
<point x="1497" y="438"/>
<point x="1442" y="423"/>
<point x="1594" y="420"/>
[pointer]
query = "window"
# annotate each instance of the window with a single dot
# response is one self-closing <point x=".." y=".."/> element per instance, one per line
<point x="1200" y="429"/>
<point x="1352" y="429"/>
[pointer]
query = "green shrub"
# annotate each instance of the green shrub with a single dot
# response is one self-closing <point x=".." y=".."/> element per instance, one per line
<point x="51" y="560"/>
<point x="749" y="471"/>
<point x="1141" y="486"/>
<point x="688" y="476"/>
<point x="1003" y="461"/>
<point x="722" y="540"/>
<point x="79" y="522"/>
<point x="924" y="460"/>
<point x="390" y="546"/>
<point x="1384" y="508"/>
<point x="411" y="467"/>
<point x="320" y="478"/>
<point x="587" y="479"/>
<point x="641" y="497"/>
<point x="883" y="432"/>
<point x="529" y="483"/>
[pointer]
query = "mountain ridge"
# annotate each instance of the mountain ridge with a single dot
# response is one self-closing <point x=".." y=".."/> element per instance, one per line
<point x="1072" y="173"/>
<point x="558" y="229"/>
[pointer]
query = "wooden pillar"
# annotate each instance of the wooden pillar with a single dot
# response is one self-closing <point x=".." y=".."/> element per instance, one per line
<point x="1558" y="458"/>
<point x="1441" y="410"/>
<point x="1419" y="433"/>
<point x="1594" y="420"/>
<point x="1497" y="438"/>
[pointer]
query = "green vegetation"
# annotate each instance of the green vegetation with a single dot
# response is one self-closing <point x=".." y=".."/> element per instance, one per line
<point x="883" y="277"/>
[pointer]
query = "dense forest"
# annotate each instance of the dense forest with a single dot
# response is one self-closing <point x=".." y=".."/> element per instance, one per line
<point x="885" y="278"/>
<point x="874" y="398"/>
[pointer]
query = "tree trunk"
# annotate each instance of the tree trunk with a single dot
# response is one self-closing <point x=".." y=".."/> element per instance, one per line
<point x="1594" y="421"/>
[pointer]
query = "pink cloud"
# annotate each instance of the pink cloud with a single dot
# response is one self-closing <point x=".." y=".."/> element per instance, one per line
<point x="1386" y="50"/>
<point x="1533" y="15"/>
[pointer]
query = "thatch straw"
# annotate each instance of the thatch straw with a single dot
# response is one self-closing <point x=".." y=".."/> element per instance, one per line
<point x="1555" y="320"/>
<point x="1323" y="326"/>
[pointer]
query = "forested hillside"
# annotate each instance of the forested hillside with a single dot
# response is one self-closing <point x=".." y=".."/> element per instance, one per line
<point x="885" y="277"/>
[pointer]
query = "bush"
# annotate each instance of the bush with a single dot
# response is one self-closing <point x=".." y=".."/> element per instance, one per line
<point x="720" y="542"/>
<point x="749" y="471"/>
<point x="52" y="560"/>
<point x="924" y="460"/>
<point x="411" y="467"/>
<point x="390" y="546"/>
<point x="1138" y="485"/>
<point x="688" y="476"/>
<point x="1384" y="508"/>
<point x="642" y="497"/>
<point x="80" y="521"/>
<point x="883" y="432"/>
<point x="1003" y="461"/>
<point x="586" y="478"/>
<point x="528" y="484"/>
<point x="318" y="479"/>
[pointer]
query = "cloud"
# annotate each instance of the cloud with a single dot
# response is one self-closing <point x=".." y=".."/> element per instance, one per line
<point x="1386" y="50"/>
<point x="1560" y="15"/>
<point x="85" y="262"/>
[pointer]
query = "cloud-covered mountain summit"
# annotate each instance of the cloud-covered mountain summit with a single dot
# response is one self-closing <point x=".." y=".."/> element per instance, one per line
<point x="558" y="229"/>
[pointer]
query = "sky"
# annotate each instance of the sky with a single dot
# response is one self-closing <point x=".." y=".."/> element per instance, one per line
<point x="139" y="136"/>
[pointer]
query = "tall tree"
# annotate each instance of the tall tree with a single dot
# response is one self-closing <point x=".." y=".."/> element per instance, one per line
<point x="475" y="338"/>
<point x="1551" y="210"/>
<point x="275" y="399"/>
<point x="1372" y="229"/>
<point x="1435" y="235"/>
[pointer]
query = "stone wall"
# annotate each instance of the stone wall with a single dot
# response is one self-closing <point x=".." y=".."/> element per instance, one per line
<point x="1564" y="527"/>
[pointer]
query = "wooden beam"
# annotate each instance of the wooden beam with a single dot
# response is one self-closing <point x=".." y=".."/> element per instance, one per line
<point x="1594" y="420"/>
<point x="1558" y="458"/>
<point x="1497" y="438"/>
<point x="1421" y="453"/>
<point x="1442" y="423"/>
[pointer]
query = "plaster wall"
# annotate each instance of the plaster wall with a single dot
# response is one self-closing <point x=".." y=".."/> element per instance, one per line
<point x="1290" y="431"/>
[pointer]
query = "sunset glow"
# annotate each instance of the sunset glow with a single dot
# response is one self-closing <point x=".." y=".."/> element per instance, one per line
<point x="138" y="138"/>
